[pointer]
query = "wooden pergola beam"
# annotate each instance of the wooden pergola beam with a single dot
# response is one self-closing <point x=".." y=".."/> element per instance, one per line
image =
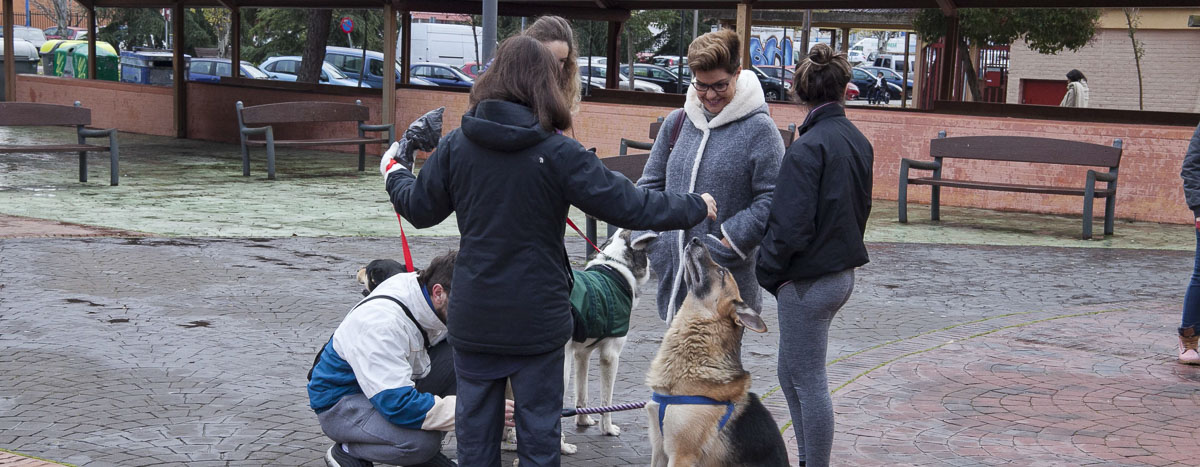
<point x="91" y="38"/>
<point x="389" y="64"/>
<point x="235" y="36"/>
<point x="10" y="71"/>
<point x="180" y="70"/>
<point x="744" y="18"/>
<point x="948" y="7"/>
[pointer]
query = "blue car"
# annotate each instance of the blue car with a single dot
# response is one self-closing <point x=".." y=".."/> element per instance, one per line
<point x="286" y="68"/>
<point x="350" y="61"/>
<point x="441" y="74"/>
<point x="211" y="70"/>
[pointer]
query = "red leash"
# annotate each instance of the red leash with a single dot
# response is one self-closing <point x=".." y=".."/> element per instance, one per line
<point x="408" y="265"/>
<point x="581" y="234"/>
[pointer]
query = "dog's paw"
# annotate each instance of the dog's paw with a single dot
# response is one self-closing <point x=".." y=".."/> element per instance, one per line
<point x="584" y="420"/>
<point x="612" y="430"/>
<point x="568" y="448"/>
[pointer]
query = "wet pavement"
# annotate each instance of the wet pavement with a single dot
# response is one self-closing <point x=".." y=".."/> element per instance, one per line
<point x="988" y="338"/>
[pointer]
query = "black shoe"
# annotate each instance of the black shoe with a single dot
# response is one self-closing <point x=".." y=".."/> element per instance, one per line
<point x="337" y="457"/>
<point x="439" y="460"/>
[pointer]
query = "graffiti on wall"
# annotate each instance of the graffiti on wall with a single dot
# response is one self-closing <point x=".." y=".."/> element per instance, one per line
<point x="770" y="49"/>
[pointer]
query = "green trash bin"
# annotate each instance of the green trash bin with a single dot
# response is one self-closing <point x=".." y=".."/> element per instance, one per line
<point x="106" y="63"/>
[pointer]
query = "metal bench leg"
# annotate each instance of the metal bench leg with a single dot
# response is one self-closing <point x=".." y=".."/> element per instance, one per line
<point x="114" y="172"/>
<point x="1110" y="212"/>
<point x="245" y="158"/>
<point x="902" y="195"/>
<point x="935" y="203"/>
<point x="83" y="166"/>
<point x="1088" y="200"/>
<point x="362" y="157"/>
<point x="270" y="155"/>
<point x="590" y="228"/>
<point x="612" y="229"/>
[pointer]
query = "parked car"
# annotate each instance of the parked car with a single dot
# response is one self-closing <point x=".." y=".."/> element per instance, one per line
<point x="773" y="88"/>
<point x="441" y="74"/>
<point x="664" y="78"/>
<point x="600" y="72"/>
<point x="865" y="80"/>
<point x="211" y="70"/>
<point x="851" y="91"/>
<point x="778" y="72"/>
<point x="350" y="62"/>
<point x="69" y="33"/>
<point x="286" y="68"/>
<point x="669" y="61"/>
<point x="35" y="36"/>
<point x="891" y="76"/>
<point x="472" y="69"/>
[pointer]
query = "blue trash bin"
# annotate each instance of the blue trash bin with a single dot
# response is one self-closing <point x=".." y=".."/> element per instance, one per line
<point x="148" y="67"/>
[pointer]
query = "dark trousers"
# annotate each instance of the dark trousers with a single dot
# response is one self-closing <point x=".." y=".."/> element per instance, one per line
<point x="537" y="383"/>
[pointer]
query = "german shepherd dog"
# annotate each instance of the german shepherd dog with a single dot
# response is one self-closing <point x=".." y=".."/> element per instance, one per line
<point x="627" y="269"/>
<point x="702" y="413"/>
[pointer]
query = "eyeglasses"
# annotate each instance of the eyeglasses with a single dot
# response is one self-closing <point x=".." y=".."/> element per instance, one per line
<point x="718" y="87"/>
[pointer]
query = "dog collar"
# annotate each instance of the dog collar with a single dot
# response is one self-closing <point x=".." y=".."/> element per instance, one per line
<point x="615" y="275"/>
<point x="665" y="400"/>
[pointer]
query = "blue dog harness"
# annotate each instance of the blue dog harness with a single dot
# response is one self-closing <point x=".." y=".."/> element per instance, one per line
<point x="664" y="400"/>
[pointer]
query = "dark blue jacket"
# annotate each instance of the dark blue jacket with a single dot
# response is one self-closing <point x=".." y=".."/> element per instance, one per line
<point x="821" y="203"/>
<point x="510" y="183"/>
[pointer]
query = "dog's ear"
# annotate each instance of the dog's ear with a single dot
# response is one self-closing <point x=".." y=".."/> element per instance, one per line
<point x="641" y="242"/>
<point x="747" y="317"/>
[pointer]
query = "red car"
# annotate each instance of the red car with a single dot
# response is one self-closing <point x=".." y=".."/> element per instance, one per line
<point x="851" y="91"/>
<point x="471" y="69"/>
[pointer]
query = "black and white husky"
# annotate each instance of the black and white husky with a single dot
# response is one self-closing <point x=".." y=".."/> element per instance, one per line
<point x="629" y="269"/>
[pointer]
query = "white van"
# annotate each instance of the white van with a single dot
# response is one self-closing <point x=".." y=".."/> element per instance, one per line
<point x="451" y="44"/>
<point x="864" y="51"/>
<point x="896" y="63"/>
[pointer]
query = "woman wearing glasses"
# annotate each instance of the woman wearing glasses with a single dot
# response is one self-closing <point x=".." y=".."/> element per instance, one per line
<point x="722" y="142"/>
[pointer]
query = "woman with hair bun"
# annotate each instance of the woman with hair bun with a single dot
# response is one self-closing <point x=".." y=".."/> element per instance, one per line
<point x="813" y="242"/>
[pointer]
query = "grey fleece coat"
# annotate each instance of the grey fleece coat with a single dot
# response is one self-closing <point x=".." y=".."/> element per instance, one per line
<point x="735" y="157"/>
<point x="1191" y="173"/>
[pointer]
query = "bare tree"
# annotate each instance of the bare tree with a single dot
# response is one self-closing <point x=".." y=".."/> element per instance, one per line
<point x="1133" y="20"/>
<point x="314" y="46"/>
<point x="66" y="13"/>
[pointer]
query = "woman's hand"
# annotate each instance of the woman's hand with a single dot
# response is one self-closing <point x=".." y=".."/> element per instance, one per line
<point x="725" y="241"/>
<point x="712" y="205"/>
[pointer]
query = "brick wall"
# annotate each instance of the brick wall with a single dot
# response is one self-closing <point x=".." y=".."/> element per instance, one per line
<point x="1149" y="181"/>
<point x="1170" y="69"/>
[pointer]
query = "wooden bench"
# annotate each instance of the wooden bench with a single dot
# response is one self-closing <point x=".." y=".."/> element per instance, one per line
<point x="1019" y="149"/>
<point x="34" y="114"/>
<point x="305" y="112"/>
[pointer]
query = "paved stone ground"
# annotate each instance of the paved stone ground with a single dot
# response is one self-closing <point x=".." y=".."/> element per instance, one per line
<point x="177" y="328"/>
<point x="167" y="351"/>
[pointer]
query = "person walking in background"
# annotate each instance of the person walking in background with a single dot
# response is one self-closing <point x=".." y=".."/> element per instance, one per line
<point x="722" y="142"/>
<point x="1077" y="90"/>
<point x="814" y="240"/>
<point x="510" y="179"/>
<point x="879" y="90"/>
<point x="1189" y="330"/>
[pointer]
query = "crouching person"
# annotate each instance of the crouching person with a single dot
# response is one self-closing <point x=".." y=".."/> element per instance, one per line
<point x="383" y="386"/>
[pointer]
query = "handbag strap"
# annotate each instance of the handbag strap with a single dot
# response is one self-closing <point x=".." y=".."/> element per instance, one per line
<point x="676" y="129"/>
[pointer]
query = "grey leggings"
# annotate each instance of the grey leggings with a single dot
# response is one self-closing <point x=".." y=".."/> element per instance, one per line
<point x="805" y="310"/>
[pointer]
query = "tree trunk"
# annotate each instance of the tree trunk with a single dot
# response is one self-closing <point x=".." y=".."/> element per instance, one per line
<point x="314" y="46"/>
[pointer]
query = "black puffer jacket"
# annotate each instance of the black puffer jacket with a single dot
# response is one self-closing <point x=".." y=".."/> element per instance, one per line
<point x="822" y="200"/>
<point x="510" y="183"/>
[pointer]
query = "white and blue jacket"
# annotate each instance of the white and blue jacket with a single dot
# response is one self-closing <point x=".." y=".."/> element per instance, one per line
<point x="379" y="351"/>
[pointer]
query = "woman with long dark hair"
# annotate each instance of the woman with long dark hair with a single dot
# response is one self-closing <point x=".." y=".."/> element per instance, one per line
<point x="814" y="241"/>
<point x="509" y="178"/>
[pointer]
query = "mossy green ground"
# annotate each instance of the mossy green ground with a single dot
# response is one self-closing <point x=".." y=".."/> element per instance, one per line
<point x="175" y="187"/>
